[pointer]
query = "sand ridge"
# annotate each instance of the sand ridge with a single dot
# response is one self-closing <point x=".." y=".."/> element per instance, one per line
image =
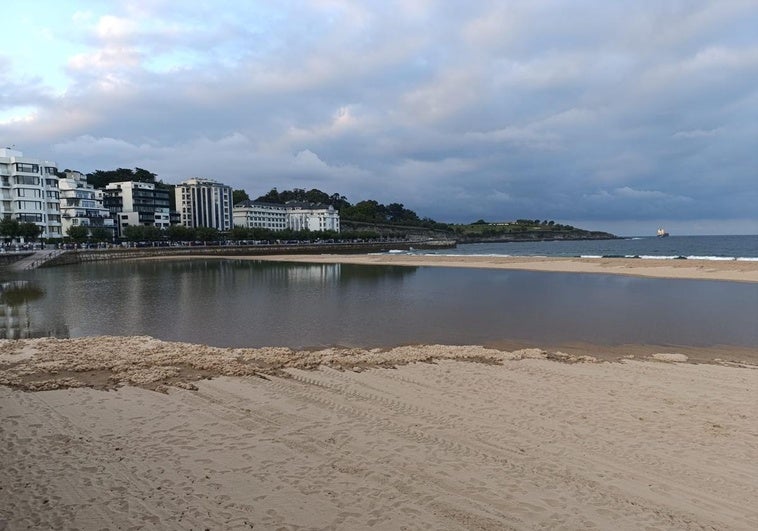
<point x="693" y="269"/>
<point x="109" y="362"/>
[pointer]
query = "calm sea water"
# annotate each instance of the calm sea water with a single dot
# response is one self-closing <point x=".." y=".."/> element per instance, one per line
<point x="673" y="247"/>
<point x="248" y="303"/>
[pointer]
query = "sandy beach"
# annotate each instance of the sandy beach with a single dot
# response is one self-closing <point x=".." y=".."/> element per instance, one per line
<point x="730" y="270"/>
<point x="140" y="433"/>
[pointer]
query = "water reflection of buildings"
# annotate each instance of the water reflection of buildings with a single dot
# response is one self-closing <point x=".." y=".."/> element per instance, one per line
<point x="221" y="302"/>
<point x="15" y="315"/>
<point x="319" y="274"/>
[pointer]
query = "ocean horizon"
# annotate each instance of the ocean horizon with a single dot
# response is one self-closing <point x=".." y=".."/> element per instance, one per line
<point x="740" y="247"/>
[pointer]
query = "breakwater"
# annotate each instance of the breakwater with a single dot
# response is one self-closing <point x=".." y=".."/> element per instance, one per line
<point x="119" y="253"/>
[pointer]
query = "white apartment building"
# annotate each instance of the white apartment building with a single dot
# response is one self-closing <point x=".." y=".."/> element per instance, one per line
<point x="29" y="191"/>
<point x="204" y="203"/>
<point x="259" y="215"/>
<point x="135" y="203"/>
<point x="82" y="205"/>
<point x="293" y="215"/>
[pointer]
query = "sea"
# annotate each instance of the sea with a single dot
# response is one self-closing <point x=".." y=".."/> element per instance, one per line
<point x="645" y="248"/>
<point x="249" y="303"/>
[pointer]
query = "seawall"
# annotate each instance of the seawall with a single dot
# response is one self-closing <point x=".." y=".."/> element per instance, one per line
<point x="96" y="255"/>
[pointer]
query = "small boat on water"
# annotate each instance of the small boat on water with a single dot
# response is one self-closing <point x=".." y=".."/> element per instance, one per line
<point x="662" y="233"/>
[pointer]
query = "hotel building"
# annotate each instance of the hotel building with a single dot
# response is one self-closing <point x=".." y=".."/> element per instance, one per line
<point x="293" y="215"/>
<point x="259" y="215"/>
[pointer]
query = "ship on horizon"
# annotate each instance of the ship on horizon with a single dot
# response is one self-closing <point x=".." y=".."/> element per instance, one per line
<point x="662" y="233"/>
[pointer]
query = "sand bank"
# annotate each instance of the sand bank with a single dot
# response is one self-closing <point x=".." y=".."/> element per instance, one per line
<point x="731" y="270"/>
<point x="453" y="438"/>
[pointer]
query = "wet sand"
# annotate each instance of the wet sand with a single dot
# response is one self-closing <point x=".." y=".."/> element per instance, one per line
<point x="417" y="437"/>
<point x="730" y="270"/>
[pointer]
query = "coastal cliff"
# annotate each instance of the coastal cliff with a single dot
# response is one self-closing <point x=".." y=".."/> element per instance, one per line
<point x="481" y="232"/>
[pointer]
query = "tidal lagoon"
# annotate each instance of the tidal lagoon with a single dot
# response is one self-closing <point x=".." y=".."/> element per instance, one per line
<point x="236" y="303"/>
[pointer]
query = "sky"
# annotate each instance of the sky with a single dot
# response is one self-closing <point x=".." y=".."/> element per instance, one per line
<point x="621" y="116"/>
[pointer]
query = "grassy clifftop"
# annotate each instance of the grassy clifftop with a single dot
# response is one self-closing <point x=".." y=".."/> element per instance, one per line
<point x="520" y="230"/>
<point x="523" y="230"/>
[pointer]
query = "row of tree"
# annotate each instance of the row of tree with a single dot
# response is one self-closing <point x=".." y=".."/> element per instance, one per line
<point x="368" y="211"/>
<point x="12" y="229"/>
<point x="101" y="178"/>
<point x="180" y="233"/>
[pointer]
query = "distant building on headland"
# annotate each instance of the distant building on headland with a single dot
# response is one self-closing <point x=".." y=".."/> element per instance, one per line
<point x="293" y="215"/>
<point x="82" y="205"/>
<point x="29" y="192"/>
<point x="135" y="203"/>
<point x="307" y="216"/>
<point x="204" y="203"/>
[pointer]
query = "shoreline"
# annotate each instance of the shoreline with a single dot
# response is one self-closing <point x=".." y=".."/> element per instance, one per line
<point x="731" y="271"/>
<point x="110" y="362"/>
<point x="418" y="437"/>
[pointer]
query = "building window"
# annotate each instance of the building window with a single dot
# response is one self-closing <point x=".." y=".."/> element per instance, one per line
<point x="29" y="205"/>
<point x="23" y="179"/>
<point x="27" y="168"/>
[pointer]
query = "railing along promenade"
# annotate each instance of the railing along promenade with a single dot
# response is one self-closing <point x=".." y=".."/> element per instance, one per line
<point x="126" y="253"/>
<point x="42" y="258"/>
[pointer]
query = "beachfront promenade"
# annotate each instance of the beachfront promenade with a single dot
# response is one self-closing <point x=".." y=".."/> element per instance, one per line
<point x="49" y="258"/>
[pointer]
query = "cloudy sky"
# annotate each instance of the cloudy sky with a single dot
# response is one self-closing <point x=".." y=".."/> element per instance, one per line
<point x="619" y="115"/>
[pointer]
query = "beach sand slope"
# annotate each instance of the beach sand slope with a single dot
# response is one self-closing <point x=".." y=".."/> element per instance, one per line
<point x="693" y="269"/>
<point x="523" y="443"/>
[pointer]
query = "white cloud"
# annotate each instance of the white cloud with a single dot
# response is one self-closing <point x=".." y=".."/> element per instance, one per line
<point x="18" y="115"/>
<point x="116" y="58"/>
<point x="110" y="28"/>
<point x="699" y="133"/>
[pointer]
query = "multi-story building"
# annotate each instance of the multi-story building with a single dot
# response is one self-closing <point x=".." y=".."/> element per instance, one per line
<point x="260" y="215"/>
<point x="307" y="216"/>
<point x="293" y="215"/>
<point x="204" y="203"/>
<point x="137" y="203"/>
<point x="29" y="191"/>
<point x="82" y="205"/>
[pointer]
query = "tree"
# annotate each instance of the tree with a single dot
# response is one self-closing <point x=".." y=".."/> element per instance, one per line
<point x="29" y="231"/>
<point x="144" y="176"/>
<point x="134" y="233"/>
<point x="369" y="211"/>
<point x="180" y="233"/>
<point x="316" y="196"/>
<point x="207" y="234"/>
<point x="238" y="196"/>
<point x="239" y="233"/>
<point x="271" y="197"/>
<point x="101" y="234"/>
<point x="78" y="233"/>
<point x="151" y="233"/>
<point x="338" y="201"/>
<point x="9" y="228"/>
<point x="100" y="178"/>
